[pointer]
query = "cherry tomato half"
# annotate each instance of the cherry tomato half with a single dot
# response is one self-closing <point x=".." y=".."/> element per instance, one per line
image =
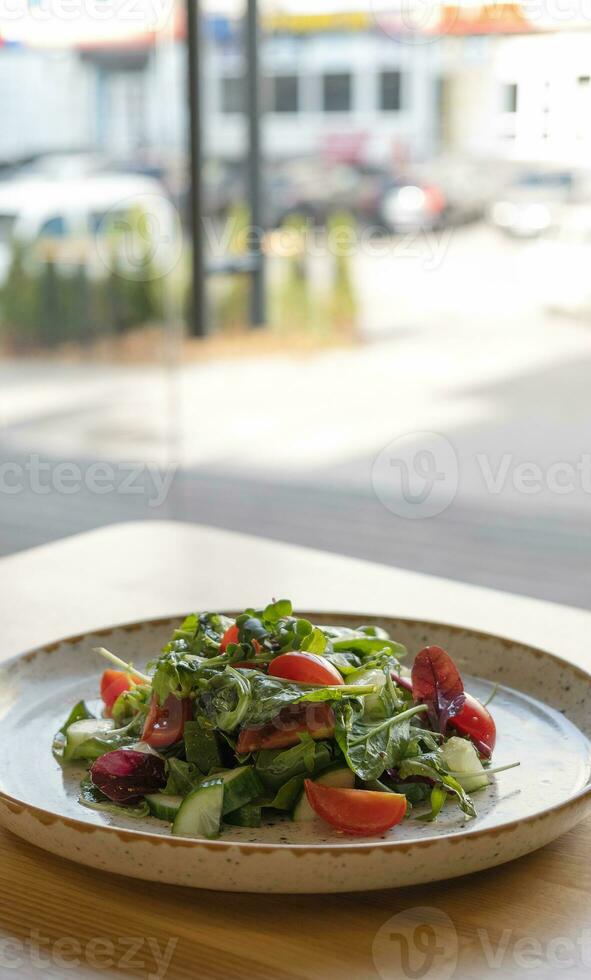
<point x="307" y="668"/>
<point x="356" y="811"/>
<point x="165" y="723"/>
<point x="316" y="719"/>
<point x="114" y="683"/>
<point x="477" y="722"/>
<point x="230" y="636"/>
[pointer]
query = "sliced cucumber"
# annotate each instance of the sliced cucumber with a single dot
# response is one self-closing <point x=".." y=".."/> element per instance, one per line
<point x="245" y="816"/>
<point x="81" y="731"/>
<point x="164" y="807"/>
<point x="200" y="813"/>
<point x="340" y="777"/>
<point x="241" y="785"/>
<point x="460" y="756"/>
<point x="201" y="747"/>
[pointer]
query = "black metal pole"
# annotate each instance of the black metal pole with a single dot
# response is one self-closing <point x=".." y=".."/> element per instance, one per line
<point x="253" y="110"/>
<point x="197" y="320"/>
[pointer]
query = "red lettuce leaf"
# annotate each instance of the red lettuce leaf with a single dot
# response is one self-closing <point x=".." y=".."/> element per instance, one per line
<point x="436" y="682"/>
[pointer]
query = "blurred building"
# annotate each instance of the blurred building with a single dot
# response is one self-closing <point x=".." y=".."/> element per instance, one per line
<point x="481" y="80"/>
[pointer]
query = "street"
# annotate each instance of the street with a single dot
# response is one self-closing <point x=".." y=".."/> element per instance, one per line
<point x="455" y="341"/>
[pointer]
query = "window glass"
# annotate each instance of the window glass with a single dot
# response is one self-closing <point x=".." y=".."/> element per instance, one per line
<point x="53" y="228"/>
<point x="285" y="93"/>
<point x="337" y="92"/>
<point x="390" y="91"/>
<point x="510" y="97"/>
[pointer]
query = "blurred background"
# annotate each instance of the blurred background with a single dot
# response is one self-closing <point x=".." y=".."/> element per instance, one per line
<point x="315" y="271"/>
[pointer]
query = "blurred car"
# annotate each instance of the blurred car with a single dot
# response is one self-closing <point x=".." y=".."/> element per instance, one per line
<point x="444" y="191"/>
<point x="71" y="214"/>
<point x="561" y="260"/>
<point x="532" y="202"/>
<point x="414" y="207"/>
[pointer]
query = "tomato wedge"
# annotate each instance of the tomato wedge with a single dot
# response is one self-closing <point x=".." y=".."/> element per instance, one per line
<point x="165" y="723"/>
<point x="114" y="683"/>
<point x="307" y="668"/>
<point x="356" y="811"/>
<point x="316" y="719"/>
<point x="230" y="636"/>
<point x="477" y="722"/>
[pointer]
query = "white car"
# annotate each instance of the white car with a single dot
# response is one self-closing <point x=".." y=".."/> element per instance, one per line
<point x="78" y="218"/>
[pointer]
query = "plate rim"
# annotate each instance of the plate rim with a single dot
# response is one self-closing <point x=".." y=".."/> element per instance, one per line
<point x="16" y="805"/>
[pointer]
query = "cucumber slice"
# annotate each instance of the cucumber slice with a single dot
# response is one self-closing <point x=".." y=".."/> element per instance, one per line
<point x="164" y="807"/>
<point x="460" y="756"/>
<point x="81" y="731"/>
<point x="339" y="776"/>
<point x="245" y="816"/>
<point x="240" y="787"/>
<point x="200" y="813"/>
<point x="201" y="747"/>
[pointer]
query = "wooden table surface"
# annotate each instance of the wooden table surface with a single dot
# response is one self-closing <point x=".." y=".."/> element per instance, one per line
<point x="531" y="918"/>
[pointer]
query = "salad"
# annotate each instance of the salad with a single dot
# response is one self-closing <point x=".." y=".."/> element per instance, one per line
<point x="242" y="719"/>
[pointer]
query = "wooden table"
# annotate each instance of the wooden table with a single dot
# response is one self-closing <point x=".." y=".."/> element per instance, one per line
<point x="531" y="918"/>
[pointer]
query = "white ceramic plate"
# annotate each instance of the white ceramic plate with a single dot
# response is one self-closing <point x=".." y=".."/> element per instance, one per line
<point x="543" y="716"/>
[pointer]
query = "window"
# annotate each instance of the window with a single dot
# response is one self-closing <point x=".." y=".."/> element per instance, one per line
<point x="233" y="94"/>
<point x="510" y="97"/>
<point x="336" y="92"/>
<point x="53" y="228"/>
<point x="390" y="91"/>
<point x="285" y="93"/>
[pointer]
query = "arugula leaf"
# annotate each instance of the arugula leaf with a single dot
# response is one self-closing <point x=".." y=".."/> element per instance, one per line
<point x="438" y="798"/>
<point x="176" y="673"/>
<point x="371" y="747"/>
<point x="277" y="610"/>
<point x="183" y="777"/>
<point x="430" y="766"/>
<point x="276" y="766"/>
<point x="314" y="642"/>
<point x="199" y="635"/>
<point x="370" y="645"/>
<point x="225" y="702"/>
<point x="287" y="795"/>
